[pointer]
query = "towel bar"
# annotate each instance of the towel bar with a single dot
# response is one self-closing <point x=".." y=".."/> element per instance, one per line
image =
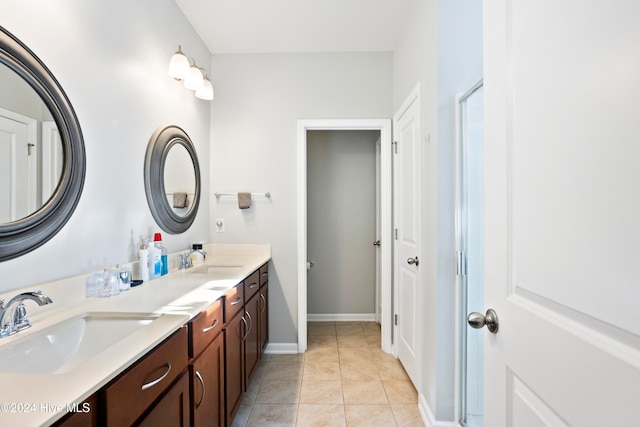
<point x="267" y="194"/>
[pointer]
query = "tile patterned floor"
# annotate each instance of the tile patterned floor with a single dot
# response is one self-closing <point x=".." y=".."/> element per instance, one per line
<point x="344" y="379"/>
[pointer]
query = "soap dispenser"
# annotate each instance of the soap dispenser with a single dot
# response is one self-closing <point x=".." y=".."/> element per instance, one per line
<point x="164" y="259"/>
<point x="143" y="259"/>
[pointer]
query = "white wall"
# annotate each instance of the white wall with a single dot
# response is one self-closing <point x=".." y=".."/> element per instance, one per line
<point x="259" y="99"/>
<point x="439" y="50"/>
<point x="459" y="68"/>
<point x="111" y="59"/>
<point x="341" y="222"/>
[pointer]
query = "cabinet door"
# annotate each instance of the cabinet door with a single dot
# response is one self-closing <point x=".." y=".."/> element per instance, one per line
<point x="86" y="415"/>
<point x="252" y="340"/>
<point x="264" y="318"/>
<point x="207" y="386"/>
<point x="234" y="365"/>
<point x="172" y="410"/>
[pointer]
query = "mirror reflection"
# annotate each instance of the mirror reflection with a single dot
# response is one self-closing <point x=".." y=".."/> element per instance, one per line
<point x="179" y="179"/>
<point x="31" y="153"/>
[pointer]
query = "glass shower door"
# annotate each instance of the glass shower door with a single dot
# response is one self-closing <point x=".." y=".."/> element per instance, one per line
<point x="470" y="252"/>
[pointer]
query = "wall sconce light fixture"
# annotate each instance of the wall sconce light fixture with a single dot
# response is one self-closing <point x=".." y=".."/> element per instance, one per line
<point x="194" y="77"/>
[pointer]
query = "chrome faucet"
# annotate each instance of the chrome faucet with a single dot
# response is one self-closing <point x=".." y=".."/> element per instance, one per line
<point x="17" y="320"/>
<point x="200" y="251"/>
<point x="185" y="261"/>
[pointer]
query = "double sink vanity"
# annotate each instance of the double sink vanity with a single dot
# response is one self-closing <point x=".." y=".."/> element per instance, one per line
<point x="177" y="350"/>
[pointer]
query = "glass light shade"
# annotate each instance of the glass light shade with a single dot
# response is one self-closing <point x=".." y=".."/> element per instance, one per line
<point x="178" y="66"/>
<point x="194" y="80"/>
<point x="206" y="90"/>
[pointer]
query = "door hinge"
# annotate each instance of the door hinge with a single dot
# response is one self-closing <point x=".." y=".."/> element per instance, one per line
<point x="396" y="233"/>
<point x="395" y="147"/>
<point x="461" y="269"/>
<point x="29" y="148"/>
<point x="395" y="319"/>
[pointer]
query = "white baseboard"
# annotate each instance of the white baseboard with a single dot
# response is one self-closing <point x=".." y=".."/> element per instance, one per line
<point x="427" y="415"/>
<point x="342" y="317"/>
<point x="282" y="348"/>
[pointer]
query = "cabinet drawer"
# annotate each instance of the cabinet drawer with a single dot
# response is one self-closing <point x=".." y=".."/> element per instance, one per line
<point x="264" y="274"/>
<point x="133" y="392"/>
<point x="251" y="285"/>
<point x="233" y="301"/>
<point x="204" y="328"/>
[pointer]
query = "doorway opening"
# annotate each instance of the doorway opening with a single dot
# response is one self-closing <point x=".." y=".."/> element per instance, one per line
<point x="470" y="248"/>
<point x="384" y="209"/>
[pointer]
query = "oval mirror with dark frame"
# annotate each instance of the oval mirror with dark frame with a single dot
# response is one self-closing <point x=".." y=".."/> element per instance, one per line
<point x="172" y="179"/>
<point x="58" y="190"/>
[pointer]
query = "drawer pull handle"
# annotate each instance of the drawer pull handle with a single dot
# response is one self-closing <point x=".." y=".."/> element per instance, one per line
<point x="215" y="323"/>
<point x="266" y="273"/>
<point x="264" y="300"/>
<point x="203" y="389"/>
<point x="154" y="382"/>
<point x="246" y="327"/>
<point x="253" y="285"/>
<point x="251" y="322"/>
<point x="236" y="302"/>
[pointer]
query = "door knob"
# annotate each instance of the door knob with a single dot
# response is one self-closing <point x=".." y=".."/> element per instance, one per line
<point x="412" y="261"/>
<point x="477" y="320"/>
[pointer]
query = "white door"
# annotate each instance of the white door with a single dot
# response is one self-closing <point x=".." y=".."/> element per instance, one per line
<point x="407" y="217"/>
<point x="17" y="166"/>
<point x="562" y="210"/>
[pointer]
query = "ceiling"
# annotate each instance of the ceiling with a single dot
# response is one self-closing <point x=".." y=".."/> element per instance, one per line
<point x="277" y="26"/>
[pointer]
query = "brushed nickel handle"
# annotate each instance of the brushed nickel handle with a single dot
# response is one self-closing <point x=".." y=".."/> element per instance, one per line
<point x="412" y="261"/>
<point x="156" y="381"/>
<point x="264" y="300"/>
<point x="246" y="328"/>
<point x="253" y="285"/>
<point x="199" y="377"/>
<point x="490" y="319"/>
<point x="251" y="322"/>
<point x="207" y="329"/>
<point x="236" y="302"/>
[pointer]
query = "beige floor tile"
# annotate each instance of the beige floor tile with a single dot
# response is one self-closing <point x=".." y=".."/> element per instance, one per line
<point x="284" y="371"/>
<point x="391" y="370"/>
<point x="242" y="416"/>
<point x="287" y="358"/>
<point x="400" y="391"/>
<point x="379" y="355"/>
<point x="371" y="328"/>
<point x="321" y="415"/>
<point x="324" y="371"/>
<point x="362" y="371"/>
<point x="272" y="415"/>
<point x="321" y="392"/>
<point x="355" y="355"/>
<point x="321" y="341"/>
<point x="374" y="340"/>
<point x="278" y="392"/>
<point x="363" y="392"/>
<point x="369" y="416"/>
<point x="320" y="329"/>
<point x="407" y="415"/>
<point x="349" y="329"/>
<point x="352" y="341"/>
<point x="322" y="354"/>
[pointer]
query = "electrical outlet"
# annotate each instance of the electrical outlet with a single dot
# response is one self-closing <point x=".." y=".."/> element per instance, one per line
<point x="220" y="225"/>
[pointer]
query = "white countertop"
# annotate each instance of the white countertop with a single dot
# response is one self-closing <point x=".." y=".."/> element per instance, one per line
<point x="36" y="399"/>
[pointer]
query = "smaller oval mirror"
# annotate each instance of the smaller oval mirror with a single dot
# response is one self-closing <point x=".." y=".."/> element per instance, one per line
<point x="172" y="178"/>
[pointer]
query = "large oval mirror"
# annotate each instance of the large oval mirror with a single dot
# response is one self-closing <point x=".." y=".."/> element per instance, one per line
<point x="42" y="156"/>
<point x="172" y="179"/>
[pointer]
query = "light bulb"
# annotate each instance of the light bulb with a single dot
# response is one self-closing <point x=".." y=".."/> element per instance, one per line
<point x="206" y="90"/>
<point x="194" y="79"/>
<point x="178" y="65"/>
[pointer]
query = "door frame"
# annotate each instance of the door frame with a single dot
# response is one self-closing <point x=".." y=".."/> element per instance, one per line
<point x="384" y="126"/>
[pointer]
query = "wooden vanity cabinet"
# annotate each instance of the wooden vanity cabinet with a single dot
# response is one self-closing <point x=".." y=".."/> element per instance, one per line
<point x="87" y="415"/>
<point x="264" y="308"/>
<point x="206" y="368"/>
<point x="234" y="334"/>
<point x="141" y="392"/>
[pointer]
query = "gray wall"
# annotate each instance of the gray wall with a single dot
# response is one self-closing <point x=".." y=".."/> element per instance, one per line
<point x="341" y="203"/>
<point x="259" y="100"/>
<point x="111" y="58"/>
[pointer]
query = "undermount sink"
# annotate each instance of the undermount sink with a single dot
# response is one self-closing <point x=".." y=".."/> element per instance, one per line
<point x="65" y="345"/>
<point x="212" y="269"/>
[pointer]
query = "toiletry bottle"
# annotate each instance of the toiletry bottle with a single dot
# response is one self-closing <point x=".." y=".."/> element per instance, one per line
<point x="143" y="260"/>
<point x="155" y="261"/>
<point x="157" y="239"/>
